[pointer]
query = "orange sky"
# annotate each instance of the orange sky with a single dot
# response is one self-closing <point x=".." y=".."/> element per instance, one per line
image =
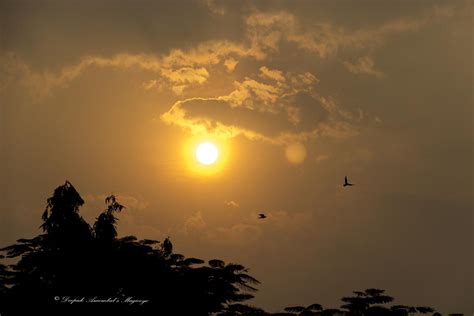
<point x="114" y="95"/>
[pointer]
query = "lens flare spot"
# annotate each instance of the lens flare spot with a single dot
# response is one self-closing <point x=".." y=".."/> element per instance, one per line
<point x="295" y="153"/>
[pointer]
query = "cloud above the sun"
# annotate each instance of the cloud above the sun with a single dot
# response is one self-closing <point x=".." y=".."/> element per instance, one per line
<point x="277" y="111"/>
<point x="265" y="101"/>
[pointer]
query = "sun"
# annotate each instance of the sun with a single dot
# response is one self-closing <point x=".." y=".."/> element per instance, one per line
<point x="207" y="153"/>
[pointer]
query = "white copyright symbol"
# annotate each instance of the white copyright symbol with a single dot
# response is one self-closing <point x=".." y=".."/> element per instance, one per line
<point x="56" y="298"/>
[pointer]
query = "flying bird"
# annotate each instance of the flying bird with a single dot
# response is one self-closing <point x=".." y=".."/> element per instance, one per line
<point x="346" y="183"/>
<point x="262" y="216"/>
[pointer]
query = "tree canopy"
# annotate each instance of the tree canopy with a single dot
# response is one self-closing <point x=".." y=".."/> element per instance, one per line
<point x="73" y="260"/>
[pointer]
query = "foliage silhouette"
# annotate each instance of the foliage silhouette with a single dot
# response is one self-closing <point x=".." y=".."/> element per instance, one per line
<point x="72" y="260"/>
<point x="366" y="303"/>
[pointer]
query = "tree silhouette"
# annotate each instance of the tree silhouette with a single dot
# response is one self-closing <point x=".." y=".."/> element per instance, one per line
<point x="72" y="260"/>
<point x="303" y="311"/>
<point x="363" y="303"/>
<point x="104" y="227"/>
<point x="61" y="219"/>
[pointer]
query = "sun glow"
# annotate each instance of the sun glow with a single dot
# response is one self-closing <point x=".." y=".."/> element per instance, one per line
<point x="207" y="153"/>
<point x="206" y="156"/>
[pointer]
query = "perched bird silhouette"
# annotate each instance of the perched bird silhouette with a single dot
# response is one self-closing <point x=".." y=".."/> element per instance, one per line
<point x="262" y="216"/>
<point x="346" y="183"/>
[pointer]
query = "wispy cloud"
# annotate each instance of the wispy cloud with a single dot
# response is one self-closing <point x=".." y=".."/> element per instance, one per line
<point x="274" y="99"/>
<point x="271" y="74"/>
<point x="214" y="7"/>
<point x="150" y="84"/>
<point x="249" y="230"/>
<point x="194" y="223"/>
<point x="177" y="67"/>
<point x="238" y="234"/>
<point x="230" y="64"/>
<point x="265" y="32"/>
<point x="232" y="204"/>
<point x="364" y="65"/>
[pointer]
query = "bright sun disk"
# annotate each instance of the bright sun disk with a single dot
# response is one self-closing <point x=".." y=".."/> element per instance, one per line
<point x="207" y="153"/>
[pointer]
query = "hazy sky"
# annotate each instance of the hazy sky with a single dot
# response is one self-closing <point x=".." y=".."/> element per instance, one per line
<point x="297" y="94"/>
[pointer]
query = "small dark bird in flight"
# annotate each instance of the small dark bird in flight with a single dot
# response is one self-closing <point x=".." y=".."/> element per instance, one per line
<point x="346" y="183"/>
<point x="262" y="216"/>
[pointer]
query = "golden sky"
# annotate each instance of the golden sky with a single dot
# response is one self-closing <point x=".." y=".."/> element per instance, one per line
<point x="114" y="96"/>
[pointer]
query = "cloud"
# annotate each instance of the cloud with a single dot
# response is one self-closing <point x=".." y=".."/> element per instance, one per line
<point x="265" y="31"/>
<point x="253" y="95"/>
<point x="276" y="75"/>
<point x="207" y="126"/>
<point x="249" y="229"/>
<point x="232" y="204"/>
<point x="179" y="79"/>
<point x="238" y="235"/>
<point x="194" y="223"/>
<point x="363" y="65"/>
<point x="149" y="84"/>
<point x="303" y="79"/>
<point x="178" y="90"/>
<point x="322" y="157"/>
<point x="213" y="7"/>
<point x="267" y="97"/>
<point x="230" y="64"/>
<point x="39" y="84"/>
<point x="277" y="95"/>
<point x="186" y="75"/>
<point x="277" y="223"/>
<point x="177" y="67"/>
<point x="273" y="112"/>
